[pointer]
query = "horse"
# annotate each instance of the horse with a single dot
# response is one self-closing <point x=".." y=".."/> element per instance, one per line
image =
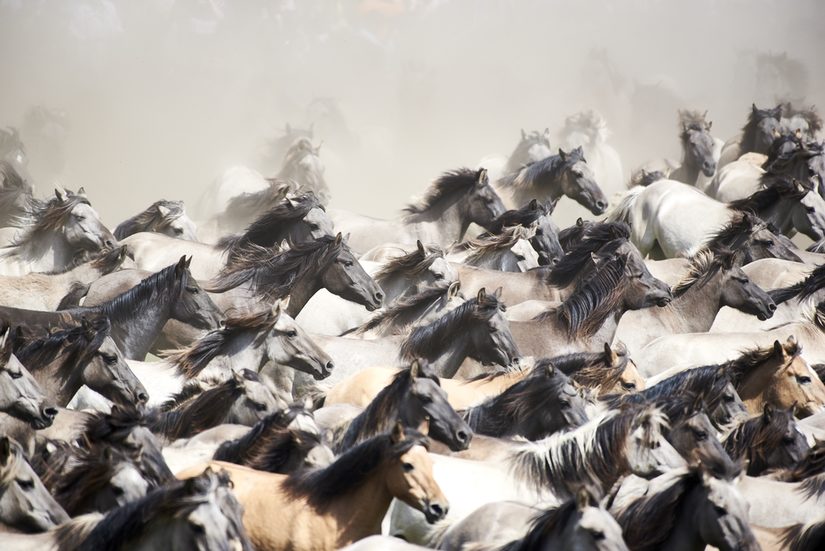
<point x="51" y="291"/>
<point x="539" y="405"/>
<point x="588" y="130"/>
<point x="588" y="318"/>
<point x="56" y="234"/>
<point x="455" y="200"/>
<point x="664" y="224"/>
<point x="84" y="355"/>
<point x="199" y="513"/>
<point x="300" y="272"/>
<point x="566" y="173"/>
<point x="599" y="452"/>
<point x="316" y="508"/>
<point x="805" y="123"/>
<point x="545" y="239"/>
<point x="15" y="195"/>
<point x="21" y="397"/>
<point x="713" y="281"/>
<point x="413" y="395"/>
<point x="96" y="478"/>
<point x="768" y="441"/>
<point x="688" y="509"/>
<point x="776" y="374"/>
<point x="578" y="523"/>
<point x="242" y="399"/>
<point x="303" y="166"/>
<point x="759" y="132"/>
<point x="25" y="504"/>
<point x="796" y="302"/>
<point x="164" y="217"/>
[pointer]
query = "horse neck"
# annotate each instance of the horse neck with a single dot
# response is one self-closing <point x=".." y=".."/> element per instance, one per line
<point x="244" y="351"/>
<point x="359" y="512"/>
<point x="46" y="254"/>
<point x="442" y="226"/>
<point x="61" y="383"/>
<point x="688" y="172"/>
<point x="446" y="362"/>
<point x="685" y="533"/>
<point x="136" y="327"/>
<point x="702" y="302"/>
<point x="303" y="290"/>
<point x="755" y="387"/>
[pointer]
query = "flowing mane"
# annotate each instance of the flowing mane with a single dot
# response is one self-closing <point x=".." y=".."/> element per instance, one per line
<point x="191" y="361"/>
<point x="481" y="248"/>
<point x="411" y="264"/>
<point x="745" y="364"/>
<point x="593" y="238"/>
<point x="151" y="219"/>
<point x="703" y="267"/>
<point x="550" y="167"/>
<point x="268" y="226"/>
<point x="448" y="188"/>
<point x="273" y="274"/>
<point x="801" y="290"/>
<point x="769" y="197"/>
<point x="351" y="469"/>
<point x="44" y="218"/>
<point x="77" y="345"/>
<point x="405" y="311"/>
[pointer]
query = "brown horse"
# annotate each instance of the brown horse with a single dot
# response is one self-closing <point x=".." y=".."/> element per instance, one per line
<point x="326" y="509"/>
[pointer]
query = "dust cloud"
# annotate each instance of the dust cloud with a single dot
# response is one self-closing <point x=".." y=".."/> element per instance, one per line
<point x="156" y="98"/>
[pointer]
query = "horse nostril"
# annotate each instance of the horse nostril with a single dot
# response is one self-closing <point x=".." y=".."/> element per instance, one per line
<point x="461" y="436"/>
<point x="601" y="204"/>
<point x="772" y="307"/>
<point x="436" y="509"/>
<point x="50" y="412"/>
<point x="109" y="243"/>
<point x="379" y="296"/>
<point x="330" y="366"/>
<point x="142" y="397"/>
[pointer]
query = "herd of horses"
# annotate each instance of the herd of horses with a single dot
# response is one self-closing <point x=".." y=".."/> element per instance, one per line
<point x="467" y="376"/>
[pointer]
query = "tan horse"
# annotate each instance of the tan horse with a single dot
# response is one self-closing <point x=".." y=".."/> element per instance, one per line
<point x="335" y="506"/>
<point x="776" y="375"/>
<point x="610" y="372"/>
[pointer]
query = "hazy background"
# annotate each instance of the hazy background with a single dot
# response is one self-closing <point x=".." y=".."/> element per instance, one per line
<point x="155" y="98"/>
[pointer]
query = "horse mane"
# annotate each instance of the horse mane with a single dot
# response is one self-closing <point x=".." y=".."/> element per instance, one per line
<point x="810" y="115"/>
<point x="809" y="470"/>
<point x="754" y="437"/>
<point x="270" y="225"/>
<point x="527" y="175"/>
<point x="351" y="469"/>
<point x="702" y="269"/>
<point x="734" y="234"/>
<point x="709" y="382"/>
<point x="192" y="360"/>
<point x="150" y="219"/>
<point x="523" y="216"/>
<point x="751" y="359"/>
<point x="482" y="247"/>
<point x="768" y="197"/>
<point x="593" y="238"/>
<point x="586" y="309"/>
<point x="404" y="311"/>
<point x="297" y="151"/>
<point x="174" y="500"/>
<point x="255" y="202"/>
<point x="46" y="217"/>
<point x="382" y="411"/>
<point x="804" y="537"/>
<point x="526" y="398"/>
<point x="590" y="369"/>
<point x="802" y="289"/>
<point x="644" y="178"/>
<point x="542" y="526"/>
<point x="449" y="186"/>
<point x="424" y="340"/>
<point x="195" y="409"/>
<point x="76" y="344"/>
<point x="593" y="453"/>
<point x="274" y="274"/>
<point x="106" y="262"/>
<point x="268" y="450"/>
<point x="9" y="470"/>
<point x="410" y="264"/>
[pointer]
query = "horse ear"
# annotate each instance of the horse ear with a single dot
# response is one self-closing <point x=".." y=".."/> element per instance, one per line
<point x="237" y="376"/>
<point x="790" y="344"/>
<point x="534" y="205"/>
<point x="414" y="369"/>
<point x="397" y="434"/>
<point x="58" y="195"/>
<point x="181" y="265"/>
<point x="777" y="348"/>
<point x="482" y="179"/>
<point x="188" y="262"/>
<point x="582" y="499"/>
<point x="284" y="303"/>
<point x="276" y="309"/>
<point x="578" y="152"/>
<point x="7" y="346"/>
<point x="482" y="295"/>
<point x="562" y="154"/>
<point x="498" y="293"/>
<point x="709" y="125"/>
<point x="767" y="413"/>
<point x="609" y="355"/>
<point x="81" y="191"/>
<point x="338" y="238"/>
<point x="5" y="450"/>
<point x="420" y="246"/>
<point x="424" y="426"/>
<point x="454" y="288"/>
<point x="579" y="221"/>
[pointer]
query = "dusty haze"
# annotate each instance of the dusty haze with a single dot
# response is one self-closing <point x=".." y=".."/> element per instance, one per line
<point x="161" y="96"/>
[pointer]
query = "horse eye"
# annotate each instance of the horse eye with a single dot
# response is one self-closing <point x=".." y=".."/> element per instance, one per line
<point x="348" y="263"/>
<point x="408" y="467"/>
<point x="257" y="406"/>
<point x="177" y="231"/>
<point x="197" y="527"/>
<point x="193" y="290"/>
<point x="26" y="484"/>
<point x="15" y="374"/>
<point x="108" y="358"/>
<point x="720" y="510"/>
<point x="628" y="385"/>
<point x="700" y="435"/>
<point x="79" y="217"/>
<point x="292" y="334"/>
<point x="728" y="398"/>
<point x="788" y="439"/>
<point x="597" y="534"/>
<point x="803" y="379"/>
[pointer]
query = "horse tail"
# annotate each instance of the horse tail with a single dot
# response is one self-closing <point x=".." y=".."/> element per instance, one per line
<point x="622" y="212"/>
